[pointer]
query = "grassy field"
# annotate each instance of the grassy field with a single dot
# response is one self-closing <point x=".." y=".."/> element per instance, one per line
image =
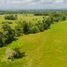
<point x="45" y="49"/>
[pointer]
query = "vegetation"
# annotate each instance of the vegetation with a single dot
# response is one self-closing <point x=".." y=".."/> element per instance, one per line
<point x="7" y="36"/>
<point x="12" y="53"/>
<point x="11" y="17"/>
<point x="27" y="27"/>
<point x="34" y="49"/>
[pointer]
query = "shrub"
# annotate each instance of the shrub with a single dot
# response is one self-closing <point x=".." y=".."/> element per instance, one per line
<point x="7" y="22"/>
<point x="1" y="39"/>
<point x="9" y="34"/>
<point x="56" y="19"/>
<point x="63" y="18"/>
<point x="19" y="29"/>
<point x="12" y="53"/>
<point x="11" y="17"/>
<point x="25" y="27"/>
<point x="18" y="53"/>
<point x="47" y="22"/>
<point x="40" y="26"/>
<point x="34" y="29"/>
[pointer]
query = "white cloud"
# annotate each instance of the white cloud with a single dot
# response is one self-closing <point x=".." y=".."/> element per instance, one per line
<point x="59" y="1"/>
<point x="25" y="4"/>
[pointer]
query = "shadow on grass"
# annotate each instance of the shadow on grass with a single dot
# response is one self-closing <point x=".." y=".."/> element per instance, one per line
<point x="22" y="55"/>
<point x="16" y="54"/>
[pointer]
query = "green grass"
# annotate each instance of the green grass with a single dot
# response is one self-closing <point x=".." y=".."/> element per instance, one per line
<point x="45" y="49"/>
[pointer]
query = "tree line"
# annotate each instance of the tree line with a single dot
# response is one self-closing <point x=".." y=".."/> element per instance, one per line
<point x="7" y="34"/>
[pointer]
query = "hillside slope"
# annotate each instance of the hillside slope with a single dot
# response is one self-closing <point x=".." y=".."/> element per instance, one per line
<point x="45" y="49"/>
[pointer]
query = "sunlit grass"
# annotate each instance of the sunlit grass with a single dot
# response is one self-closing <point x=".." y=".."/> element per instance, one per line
<point x="44" y="49"/>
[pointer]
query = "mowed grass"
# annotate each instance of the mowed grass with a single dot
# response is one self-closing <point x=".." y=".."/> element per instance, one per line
<point x="45" y="49"/>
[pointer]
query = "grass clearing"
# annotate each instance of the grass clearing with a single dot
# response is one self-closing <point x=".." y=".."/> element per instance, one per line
<point x="45" y="49"/>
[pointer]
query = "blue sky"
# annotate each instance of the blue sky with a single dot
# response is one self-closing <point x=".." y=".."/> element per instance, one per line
<point x="33" y="4"/>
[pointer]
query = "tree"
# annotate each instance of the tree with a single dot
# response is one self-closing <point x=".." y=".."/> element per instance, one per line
<point x="9" y="33"/>
<point x="40" y="25"/>
<point x="34" y="29"/>
<point x="63" y="18"/>
<point x="47" y="22"/>
<point x="1" y="39"/>
<point x="10" y="17"/>
<point x="19" y="29"/>
<point x="25" y="27"/>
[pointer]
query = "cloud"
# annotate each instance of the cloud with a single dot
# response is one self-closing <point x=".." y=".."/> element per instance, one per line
<point x="59" y="1"/>
<point x="32" y="4"/>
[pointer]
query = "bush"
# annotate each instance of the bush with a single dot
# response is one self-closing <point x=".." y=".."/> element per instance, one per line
<point x="19" y="29"/>
<point x="34" y="29"/>
<point x="47" y="22"/>
<point x="56" y="19"/>
<point x="25" y="27"/>
<point x="9" y="34"/>
<point x="18" y="53"/>
<point x="63" y="18"/>
<point x="12" y="53"/>
<point x="40" y="25"/>
<point x="1" y="39"/>
<point x="11" y="17"/>
<point x="7" y="22"/>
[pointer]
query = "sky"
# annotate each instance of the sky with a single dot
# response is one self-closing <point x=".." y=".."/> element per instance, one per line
<point x="33" y="4"/>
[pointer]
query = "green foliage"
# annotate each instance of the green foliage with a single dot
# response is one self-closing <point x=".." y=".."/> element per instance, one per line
<point x="34" y="29"/>
<point x="39" y="48"/>
<point x="19" y="29"/>
<point x="47" y="22"/>
<point x="8" y="33"/>
<point x="18" y="54"/>
<point x="63" y="18"/>
<point x="25" y="27"/>
<point x="7" y="36"/>
<point x="11" y="17"/>
<point x="12" y="53"/>
<point x="1" y="39"/>
<point x="40" y="25"/>
<point x="35" y="25"/>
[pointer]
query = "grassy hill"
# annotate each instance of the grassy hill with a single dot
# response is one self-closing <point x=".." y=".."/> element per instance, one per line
<point x="45" y="49"/>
